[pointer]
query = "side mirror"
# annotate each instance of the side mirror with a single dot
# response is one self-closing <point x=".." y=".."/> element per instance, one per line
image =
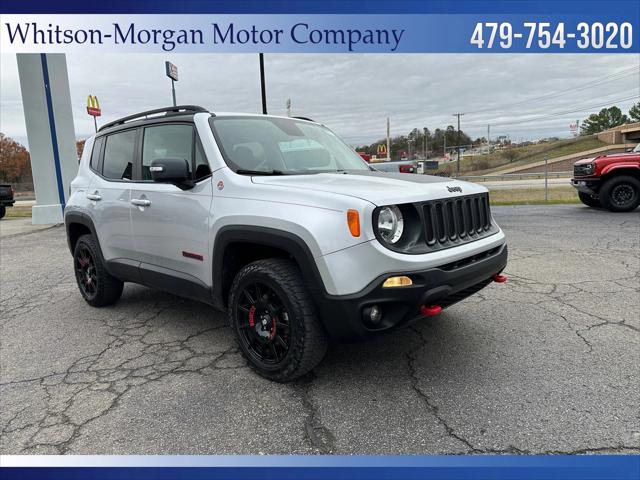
<point x="171" y="170"/>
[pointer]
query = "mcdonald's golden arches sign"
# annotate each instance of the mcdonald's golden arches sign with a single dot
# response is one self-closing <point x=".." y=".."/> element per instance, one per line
<point x="93" y="106"/>
<point x="382" y="149"/>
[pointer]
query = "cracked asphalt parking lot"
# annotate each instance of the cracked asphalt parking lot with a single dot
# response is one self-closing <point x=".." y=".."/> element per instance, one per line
<point x="548" y="362"/>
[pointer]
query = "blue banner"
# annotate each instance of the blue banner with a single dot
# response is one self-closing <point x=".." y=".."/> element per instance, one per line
<point x="619" y="467"/>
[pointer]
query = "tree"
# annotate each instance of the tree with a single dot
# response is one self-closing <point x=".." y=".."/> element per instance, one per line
<point x="634" y="112"/>
<point x="15" y="163"/>
<point x="80" y="148"/>
<point x="603" y="120"/>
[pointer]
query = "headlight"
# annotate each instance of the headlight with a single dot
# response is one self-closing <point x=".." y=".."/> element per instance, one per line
<point x="589" y="168"/>
<point x="390" y="224"/>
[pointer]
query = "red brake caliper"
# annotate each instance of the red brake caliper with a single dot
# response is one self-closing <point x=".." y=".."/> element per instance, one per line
<point x="252" y="312"/>
<point x="272" y="333"/>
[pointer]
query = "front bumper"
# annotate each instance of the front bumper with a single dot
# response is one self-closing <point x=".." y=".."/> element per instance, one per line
<point x="586" y="185"/>
<point x="445" y="285"/>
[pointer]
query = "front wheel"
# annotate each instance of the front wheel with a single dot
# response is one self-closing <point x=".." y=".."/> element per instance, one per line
<point x="274" y="320"/>
<point x="3" y="211"/>
<point x="589" y="200"/>
<point x="620" y="194"/>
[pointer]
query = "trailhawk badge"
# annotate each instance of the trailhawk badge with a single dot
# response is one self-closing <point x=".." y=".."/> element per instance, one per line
<point x="454" y="189"/>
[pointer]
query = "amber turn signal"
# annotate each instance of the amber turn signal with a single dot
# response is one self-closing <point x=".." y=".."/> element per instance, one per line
<point x="397" y="282"/>
<point x="353" y="220"/>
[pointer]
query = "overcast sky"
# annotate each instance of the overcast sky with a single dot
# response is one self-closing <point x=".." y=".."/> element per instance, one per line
<point x="352" y="94"/>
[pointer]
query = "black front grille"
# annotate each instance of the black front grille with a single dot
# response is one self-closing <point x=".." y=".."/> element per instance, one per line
<point x="453" y="221"/>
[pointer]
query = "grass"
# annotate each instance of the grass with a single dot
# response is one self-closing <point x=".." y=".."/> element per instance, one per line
<point x="484" y="164"/>
<point x="533" y="196"/>
<point x="519" y="196"/>
<point x="18" y="211"/>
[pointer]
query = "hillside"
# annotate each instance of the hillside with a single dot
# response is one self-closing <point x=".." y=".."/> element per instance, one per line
<point x="519" y="156"/>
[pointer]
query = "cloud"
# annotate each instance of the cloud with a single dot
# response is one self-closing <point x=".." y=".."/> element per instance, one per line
<point x="351" y="93"/>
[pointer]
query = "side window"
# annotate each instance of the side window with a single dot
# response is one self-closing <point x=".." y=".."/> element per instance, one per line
<point x="166" y="141"/>
<point x="202" y="165"/>
<point x="95" y="153"/>
<point x="119" y="152"/>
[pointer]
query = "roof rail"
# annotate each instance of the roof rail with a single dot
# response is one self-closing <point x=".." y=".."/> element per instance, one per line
<point x="177" y="110"/>
<point x="305" y="118"/>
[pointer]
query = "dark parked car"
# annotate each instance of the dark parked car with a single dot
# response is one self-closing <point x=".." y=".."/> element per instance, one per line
<point x="6" y="199"/>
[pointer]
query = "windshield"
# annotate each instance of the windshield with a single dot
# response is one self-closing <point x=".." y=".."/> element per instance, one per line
<point x="282" y="146"/>
<point x="637" y="149"/>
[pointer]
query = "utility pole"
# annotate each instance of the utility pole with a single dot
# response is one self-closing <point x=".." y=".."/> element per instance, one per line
<point x="388" y="139"/>
<point x="262" y="85"/>
<point x="458" y="162"/>
<point x="426" y="143"/>
<point x="288" y="104"/>
<point x="488" y="135"/>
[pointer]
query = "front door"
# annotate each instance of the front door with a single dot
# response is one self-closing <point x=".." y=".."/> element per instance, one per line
<point x="171" y="225"/>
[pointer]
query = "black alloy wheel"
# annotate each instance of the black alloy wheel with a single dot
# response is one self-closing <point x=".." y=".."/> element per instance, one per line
<point x="264" y="323"/>
<point x="86" y="274"/>
<point x="620" y="193"/>
<point x="274" y="320"/>
<point x="96" y="285"/>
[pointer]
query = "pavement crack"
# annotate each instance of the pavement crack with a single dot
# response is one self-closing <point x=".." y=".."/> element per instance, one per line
<point x="318" y="436"/>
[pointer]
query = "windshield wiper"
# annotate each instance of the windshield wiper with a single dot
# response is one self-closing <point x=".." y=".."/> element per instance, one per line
<point x="260" y="172"/>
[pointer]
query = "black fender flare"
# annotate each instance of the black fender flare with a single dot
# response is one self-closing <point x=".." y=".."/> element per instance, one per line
<point x="81" y="218"/>
<point x="271" y="237"/>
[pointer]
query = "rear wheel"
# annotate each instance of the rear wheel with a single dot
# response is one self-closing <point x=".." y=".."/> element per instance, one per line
<point x="274" y="320"/>
<point x="96" y="285"/>
<point x="620" y="194"/>
<point x="589" y="200"/>
<point x="3" y="211"/>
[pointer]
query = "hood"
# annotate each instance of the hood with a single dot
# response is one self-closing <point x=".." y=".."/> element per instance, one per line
<point x="583" y="161"/>
<point x="606" y="157"/>
<point x="376" y="187"/>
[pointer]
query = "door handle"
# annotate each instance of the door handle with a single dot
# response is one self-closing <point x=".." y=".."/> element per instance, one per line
<point x="94" y="196"/>
<point x="140" y="202"/>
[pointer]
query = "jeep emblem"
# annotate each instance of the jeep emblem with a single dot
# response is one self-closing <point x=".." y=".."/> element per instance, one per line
<point x="220" y="185"/>
<point x="454" y="189"/>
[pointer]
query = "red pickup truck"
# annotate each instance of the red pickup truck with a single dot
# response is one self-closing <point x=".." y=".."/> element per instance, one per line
<point x="609" y="181"/>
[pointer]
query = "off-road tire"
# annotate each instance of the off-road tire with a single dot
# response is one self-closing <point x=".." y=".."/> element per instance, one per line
<point x="3" y="211"/>
<point x="611" y="190"/>
<point x="589" y="200"/>
<point x="307" y="338"/>
<point x="108" y="288"/>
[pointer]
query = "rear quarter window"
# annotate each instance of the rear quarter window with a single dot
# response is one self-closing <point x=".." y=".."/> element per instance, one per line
<point x="95" y="153"/>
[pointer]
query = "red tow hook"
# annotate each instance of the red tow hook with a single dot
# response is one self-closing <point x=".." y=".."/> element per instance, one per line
<point x="499" y="278"/>
<point x="431" y="310"/>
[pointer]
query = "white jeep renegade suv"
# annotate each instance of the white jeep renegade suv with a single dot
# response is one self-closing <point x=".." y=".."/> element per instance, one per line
<point x="280" y="223"/>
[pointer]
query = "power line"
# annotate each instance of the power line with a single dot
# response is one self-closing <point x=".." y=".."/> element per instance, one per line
<point x="627" y="72"/>
<point x="556" y="114"/>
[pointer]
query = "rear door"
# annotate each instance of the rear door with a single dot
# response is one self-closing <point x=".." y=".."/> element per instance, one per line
<point x="171" y="224"/>
<point x="110" y="192"/>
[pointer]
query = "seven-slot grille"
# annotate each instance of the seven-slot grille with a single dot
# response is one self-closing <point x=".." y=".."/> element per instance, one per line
<point x="452" y="221"/>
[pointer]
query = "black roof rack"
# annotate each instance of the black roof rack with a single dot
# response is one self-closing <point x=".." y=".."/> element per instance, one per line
<point x="305" y="118"/>
<point x="168" y="111"/>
